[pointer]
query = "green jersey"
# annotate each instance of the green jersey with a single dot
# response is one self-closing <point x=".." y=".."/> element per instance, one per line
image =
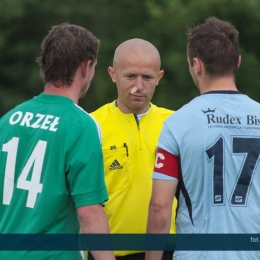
<point x="51" y="163"/>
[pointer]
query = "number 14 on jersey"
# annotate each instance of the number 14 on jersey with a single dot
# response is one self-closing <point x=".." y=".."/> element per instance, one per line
<point x="35" y="162"/>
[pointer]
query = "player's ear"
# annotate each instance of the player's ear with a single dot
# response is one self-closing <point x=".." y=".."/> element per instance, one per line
<point x="239" y="61"/>
<point x="198" y="66"/>
<point x="86" y="66"/>
<point x="111" y="72"/>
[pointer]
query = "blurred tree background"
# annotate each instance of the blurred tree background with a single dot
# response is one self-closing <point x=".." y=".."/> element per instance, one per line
<point x="24" y="24"/>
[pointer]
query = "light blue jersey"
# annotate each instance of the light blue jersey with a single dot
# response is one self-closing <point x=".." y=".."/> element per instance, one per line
<point x="217" y="138"/>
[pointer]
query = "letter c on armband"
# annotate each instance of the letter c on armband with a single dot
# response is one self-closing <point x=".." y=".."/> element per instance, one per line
<point x="159" y="156"/>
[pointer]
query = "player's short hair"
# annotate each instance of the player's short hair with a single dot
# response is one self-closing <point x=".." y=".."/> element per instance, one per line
<point x="63" y="50"/>
<point x="216" y="44"/>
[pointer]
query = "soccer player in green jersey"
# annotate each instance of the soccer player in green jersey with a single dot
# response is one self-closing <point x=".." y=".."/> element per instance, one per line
<point x="51" y="162"/>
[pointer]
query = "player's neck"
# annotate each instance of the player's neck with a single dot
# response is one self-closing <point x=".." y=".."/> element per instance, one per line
<point x="61" y="90"/>
<point x="218" y="84"/>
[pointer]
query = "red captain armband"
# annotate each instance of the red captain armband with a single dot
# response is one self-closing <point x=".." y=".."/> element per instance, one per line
<point x="166" y="163"/>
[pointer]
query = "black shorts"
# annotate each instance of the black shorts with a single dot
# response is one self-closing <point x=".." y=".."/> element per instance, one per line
<point x="167" y="255"/>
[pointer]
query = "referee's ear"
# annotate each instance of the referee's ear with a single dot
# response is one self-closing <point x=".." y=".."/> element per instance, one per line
<point x="112" y="74"/>
<point x="161" y="73"/>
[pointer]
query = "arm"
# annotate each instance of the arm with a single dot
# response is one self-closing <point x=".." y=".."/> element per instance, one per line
<point x="160" y="208"/>
<point x="93" y="220"/>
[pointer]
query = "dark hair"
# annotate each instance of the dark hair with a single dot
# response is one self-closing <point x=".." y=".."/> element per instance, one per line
<point x="63" y="50"/>
<point x="215" y="43"/>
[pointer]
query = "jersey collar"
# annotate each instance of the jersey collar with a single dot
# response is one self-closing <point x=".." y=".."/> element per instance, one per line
<point x="223" y="92"/>
<point x="53" y="98"/>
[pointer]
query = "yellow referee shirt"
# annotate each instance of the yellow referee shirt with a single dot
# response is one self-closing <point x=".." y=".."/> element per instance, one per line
<point x="129" y="155"/>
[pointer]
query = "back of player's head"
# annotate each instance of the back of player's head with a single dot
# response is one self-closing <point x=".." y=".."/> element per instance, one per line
<point x="63" y="50"/>
<point x="215" y="43"/>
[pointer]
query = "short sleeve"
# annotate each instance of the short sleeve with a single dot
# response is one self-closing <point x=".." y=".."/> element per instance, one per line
<point x="86" y="168"/>
<point x="167" y="156"/>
